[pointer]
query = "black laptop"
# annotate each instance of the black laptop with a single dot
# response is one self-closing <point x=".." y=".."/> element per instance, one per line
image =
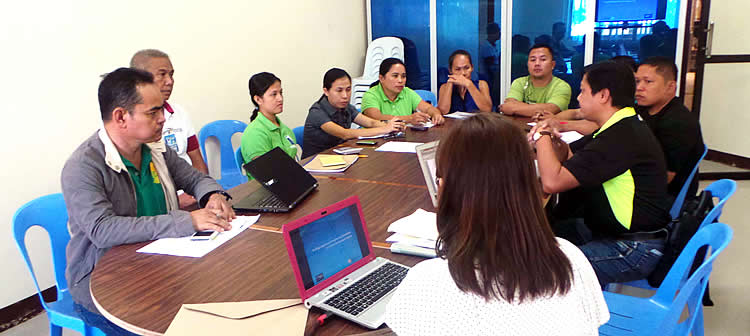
<point x="285" y="183"/>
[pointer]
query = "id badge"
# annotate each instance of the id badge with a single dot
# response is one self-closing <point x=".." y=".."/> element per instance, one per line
<point x="171" y="141"/>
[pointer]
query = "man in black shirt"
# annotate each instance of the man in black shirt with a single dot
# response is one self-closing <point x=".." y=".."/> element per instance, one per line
<point x="676" y="129"/>
<point x="617" y="175"/>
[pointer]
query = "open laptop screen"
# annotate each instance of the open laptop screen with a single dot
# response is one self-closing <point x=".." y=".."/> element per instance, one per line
<point x="329" y="244"/>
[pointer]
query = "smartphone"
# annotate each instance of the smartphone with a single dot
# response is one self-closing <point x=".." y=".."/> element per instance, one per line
<point x="204" y="235"/>
<point x="366" y="142"/>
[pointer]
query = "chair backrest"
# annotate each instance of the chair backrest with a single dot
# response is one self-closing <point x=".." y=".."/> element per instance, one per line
<point x="299" y="133"/>
<point x="223" y="130"/>
<point x="676" y="292"/>
<point x="378" y="50"/>
<point x="722" y="189"/>
<point x="49" y="213"/>
<point x="677" y="205"/>
<point x="239" y="160"/>
<point x="427" y="96"/>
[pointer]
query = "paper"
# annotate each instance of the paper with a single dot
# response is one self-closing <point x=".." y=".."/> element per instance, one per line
<point x="532" y="124"/>
<point x="184" y="247"/>
<point x="268" y="317"/>
<point x="399" y="146"/>
<point x="459" y="115"/>
<point x="570" y="136"/>
<point x="373" y="136"/>
<point x="331" y="160"/>
<point x="424" y="124"/>
<point x="316" y="165"/>
<point x="411" y="240"/>
<point x="421" y="224"/>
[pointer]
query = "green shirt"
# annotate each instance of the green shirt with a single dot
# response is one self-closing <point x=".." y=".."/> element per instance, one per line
<point x="262" y="136"/>
<point x="405" y="104"/>
<point x="556" y="92"/>
<point x="149" y="194"/>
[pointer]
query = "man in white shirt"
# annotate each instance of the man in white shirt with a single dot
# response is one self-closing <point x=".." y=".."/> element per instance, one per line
<point x="178" y="132"/>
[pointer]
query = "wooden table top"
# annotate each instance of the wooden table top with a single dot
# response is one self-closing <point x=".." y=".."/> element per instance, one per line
<point x="143" y="292"/>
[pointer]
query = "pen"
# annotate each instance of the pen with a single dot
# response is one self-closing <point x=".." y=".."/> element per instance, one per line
<point x="563" y="122"/>
<point x="290" y="140"/>
<point x="363" y="155"/>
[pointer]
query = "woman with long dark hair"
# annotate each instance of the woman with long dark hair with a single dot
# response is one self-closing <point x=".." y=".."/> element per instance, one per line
<point x="461" y="93"/>
<point x="500" y="270"/>
<point x="330" y="117"/>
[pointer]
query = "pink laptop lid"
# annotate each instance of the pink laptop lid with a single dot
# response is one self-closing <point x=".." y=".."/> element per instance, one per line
<point x="327" y="245"/>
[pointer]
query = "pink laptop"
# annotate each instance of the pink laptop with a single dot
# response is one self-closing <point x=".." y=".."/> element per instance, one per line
<point x="335" y="267"/>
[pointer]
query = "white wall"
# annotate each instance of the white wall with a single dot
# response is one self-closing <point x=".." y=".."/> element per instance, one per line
<point x="54" y="51"/>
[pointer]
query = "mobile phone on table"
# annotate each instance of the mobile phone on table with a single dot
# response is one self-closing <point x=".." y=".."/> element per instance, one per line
<point x="204" y="235"/>
<point x="347" y="150"/>
<point x="366" y="142"/>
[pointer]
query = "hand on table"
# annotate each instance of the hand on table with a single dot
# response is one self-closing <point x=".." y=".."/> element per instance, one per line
<point x="215" y="216"/>
<point x="417" y="118"/>
<point x="438" y="119"/>
<point x="543" y="115"/>
<point x="393" y="125"/>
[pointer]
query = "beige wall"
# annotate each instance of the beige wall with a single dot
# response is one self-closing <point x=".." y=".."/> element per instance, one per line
<point x="54" y="51"/>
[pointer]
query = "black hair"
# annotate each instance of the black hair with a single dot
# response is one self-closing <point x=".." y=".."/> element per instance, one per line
<point x="119" y="88"/>
<point x="456" y="53"/>
<point x="627" y="61"/>
<point x="519" y="43"/>
<point x="258" y="85"/>
<point x="385" y="66"/>
<point x="615" y="77"/>
<point x="664" y="66"/>
<point x="543" y="45"/>
<point x="493" y="28"/>
<point x="333" y="75"/>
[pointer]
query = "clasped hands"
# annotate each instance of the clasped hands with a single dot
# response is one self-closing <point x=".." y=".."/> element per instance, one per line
<point x="215" y="216"/>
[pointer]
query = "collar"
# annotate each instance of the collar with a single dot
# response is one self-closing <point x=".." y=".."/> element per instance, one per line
<point x="267" y="124"/>
<point x="619" y="115"/>
<point x="168" y="107"/>
<point x="112" y="156"/>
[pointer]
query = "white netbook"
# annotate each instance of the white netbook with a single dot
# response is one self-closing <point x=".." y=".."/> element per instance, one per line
<point x="335" y="267"/>
<point x="426" y="155"/>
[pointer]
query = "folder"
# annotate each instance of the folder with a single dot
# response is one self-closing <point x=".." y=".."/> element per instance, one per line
<point x="318" y="164"/>
<point x="271" y="317"/>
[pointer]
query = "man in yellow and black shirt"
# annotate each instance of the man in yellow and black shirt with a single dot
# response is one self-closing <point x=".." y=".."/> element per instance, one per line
<point x="617" y="176"/>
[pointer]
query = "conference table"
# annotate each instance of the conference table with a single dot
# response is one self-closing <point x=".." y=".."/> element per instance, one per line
<point x="143" y="292"/>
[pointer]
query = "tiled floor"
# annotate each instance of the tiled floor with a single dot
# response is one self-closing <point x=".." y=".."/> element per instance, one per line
<point x="729" y="288"/>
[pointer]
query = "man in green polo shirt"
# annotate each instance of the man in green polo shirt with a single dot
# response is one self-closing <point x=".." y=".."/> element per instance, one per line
<point x="540" y="90"/>
<point x="120" y="186"/>
<point x="615" y="177"/>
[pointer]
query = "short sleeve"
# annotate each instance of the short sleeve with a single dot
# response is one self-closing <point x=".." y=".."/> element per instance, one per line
<point x="255" y="142"/>
<point x="370" y="99"/>
<point x="516" y="89"/>
<point x="600" y="160"/>
<point x="560" y="95"/>
<point x="317" y="117"/>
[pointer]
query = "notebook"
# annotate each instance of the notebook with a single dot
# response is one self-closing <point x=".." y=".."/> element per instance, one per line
<point x="285" y="183"/>
<point x="335" y="267"/>
<point x="426" y="156"/>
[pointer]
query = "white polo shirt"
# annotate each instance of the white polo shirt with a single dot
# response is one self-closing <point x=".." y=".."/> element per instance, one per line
<point x="177" y="131"/>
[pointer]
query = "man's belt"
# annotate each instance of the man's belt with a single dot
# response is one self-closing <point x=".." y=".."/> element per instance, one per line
<point x="646" y="235"/>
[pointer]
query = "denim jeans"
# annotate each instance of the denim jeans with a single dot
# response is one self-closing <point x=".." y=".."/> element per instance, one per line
<point x="614" y="261"/>
<point x="99" y="321"/>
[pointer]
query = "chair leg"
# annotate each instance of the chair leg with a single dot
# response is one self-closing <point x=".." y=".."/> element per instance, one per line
<point x="55" y="330"/>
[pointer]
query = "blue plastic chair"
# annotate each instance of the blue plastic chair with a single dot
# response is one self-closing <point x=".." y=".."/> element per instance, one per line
<point x="677" y="205"/>
<point x="660" y="314"/>
<point x="49" y="213"/>
<point x="427" y="96"/>
<point x="223" y="130"/>
<point x="238" y="159"/>
<point x="299" y="133"/>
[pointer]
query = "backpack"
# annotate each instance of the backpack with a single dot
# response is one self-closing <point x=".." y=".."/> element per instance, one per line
<point x="683" y="228"/>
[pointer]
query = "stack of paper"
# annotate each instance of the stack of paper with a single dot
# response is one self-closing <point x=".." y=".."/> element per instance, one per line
<point x="459" y="115"/>
<point x="185" y="247"/>
<point x="418" y="231"/>
<point x="330" y="163"/>
<point x="399" y="147"/>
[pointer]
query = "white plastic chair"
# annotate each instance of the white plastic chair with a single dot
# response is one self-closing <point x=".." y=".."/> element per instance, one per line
<point x="377" y="51"/>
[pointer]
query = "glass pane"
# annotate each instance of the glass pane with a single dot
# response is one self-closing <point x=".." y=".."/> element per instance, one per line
<point x="561" y="26"/>
<point x="409" y="21"/>
<point x="473" y="26"/>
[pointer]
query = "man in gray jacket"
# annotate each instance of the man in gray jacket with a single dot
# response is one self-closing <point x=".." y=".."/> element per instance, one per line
<point x="120" y="186"/>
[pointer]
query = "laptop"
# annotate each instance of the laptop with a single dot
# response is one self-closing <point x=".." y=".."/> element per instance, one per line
<point x="426" y="156"/>
<point x="285" y="183"/>
<point x="334" y="265"/>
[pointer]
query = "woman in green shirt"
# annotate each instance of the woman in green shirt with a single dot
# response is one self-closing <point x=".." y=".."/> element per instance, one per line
<point x="390" y="98"/>
<point x="266" y="130"/>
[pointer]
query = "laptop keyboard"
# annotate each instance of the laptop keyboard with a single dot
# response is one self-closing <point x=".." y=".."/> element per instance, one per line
<point x="368" y="290"/>
<point x="272" y="202"/>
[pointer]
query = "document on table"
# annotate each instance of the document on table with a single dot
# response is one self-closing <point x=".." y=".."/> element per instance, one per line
<point x="459" y="115"/>
<point x="421" y="224"/>
<point x="424" y="124"/>
<point x="269" y="317"/>
<point x="399" y="146"/>
<point x="184" y="247"/>
<point x="570" y="136"/>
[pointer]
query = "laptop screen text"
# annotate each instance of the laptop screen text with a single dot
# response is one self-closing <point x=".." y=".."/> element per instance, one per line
<point x="328" y="245"/>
